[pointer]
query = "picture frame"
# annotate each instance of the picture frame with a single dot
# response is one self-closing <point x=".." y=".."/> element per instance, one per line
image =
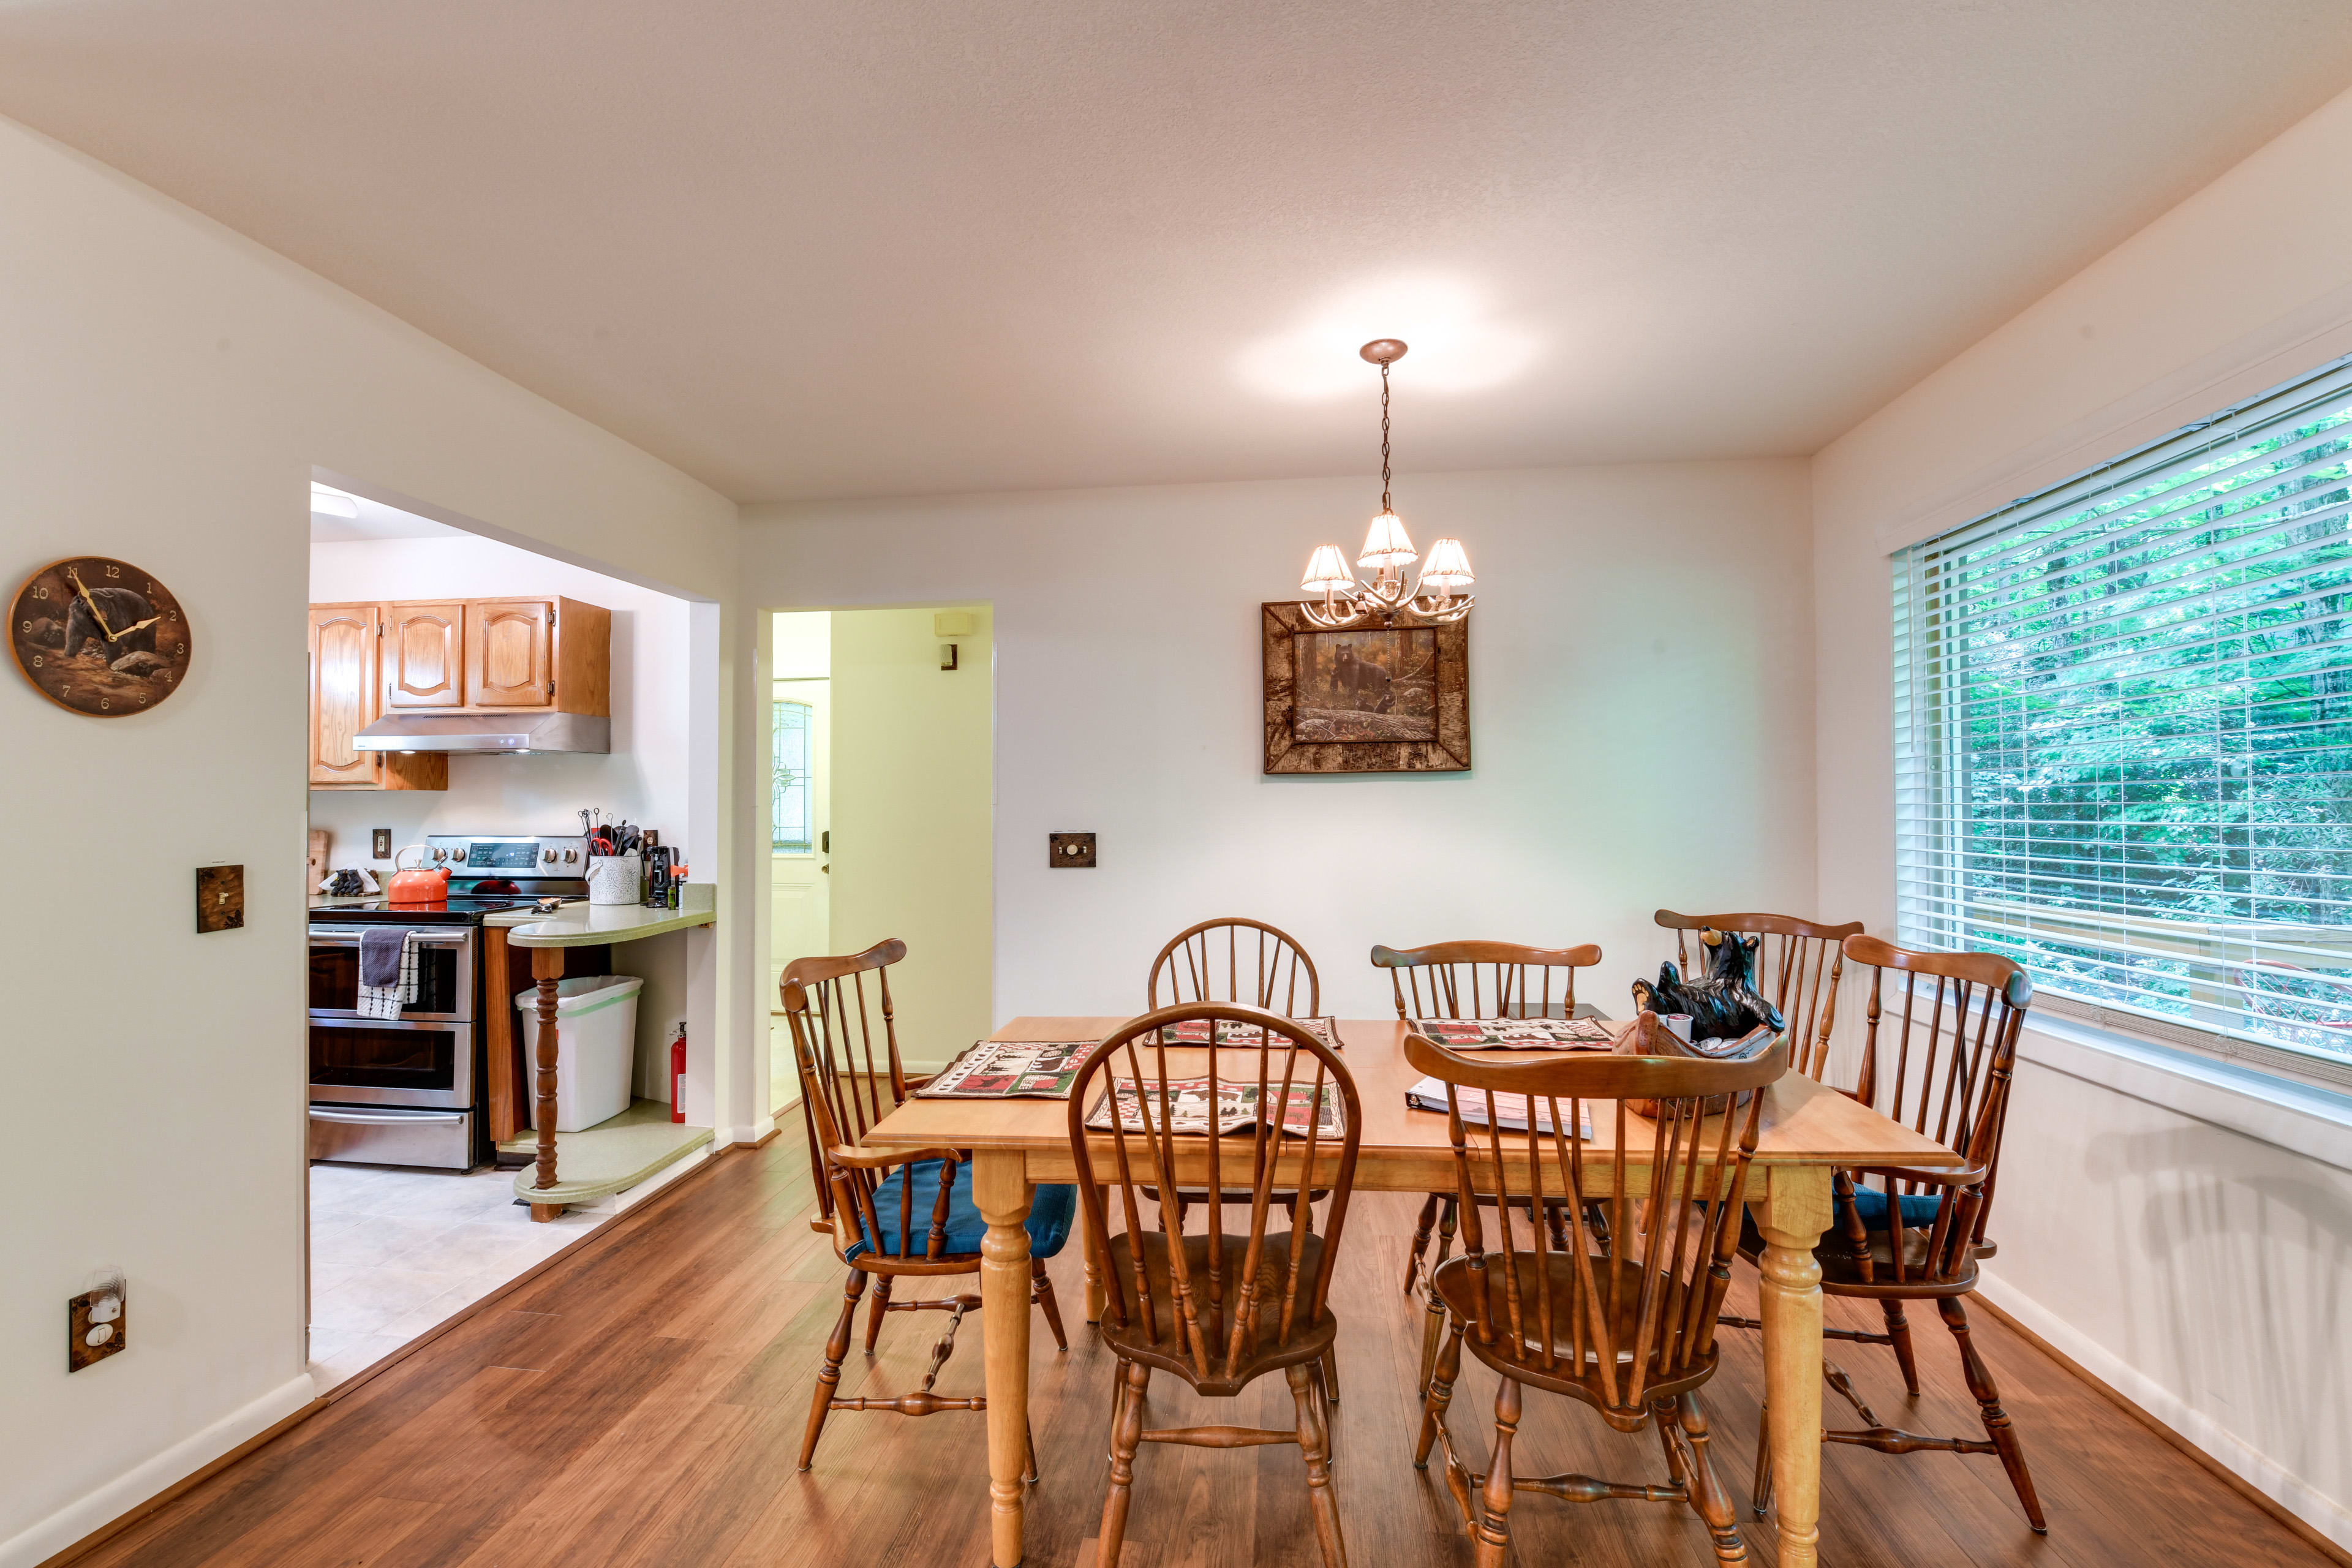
<point x="1380" y="697"/>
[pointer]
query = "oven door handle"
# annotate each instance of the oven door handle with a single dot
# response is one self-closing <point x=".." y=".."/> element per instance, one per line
<point x="383" y="1118"/>
<point x="344" y="936"/>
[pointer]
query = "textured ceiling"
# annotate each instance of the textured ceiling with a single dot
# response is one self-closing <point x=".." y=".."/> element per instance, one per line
<point x="821" y="250"/>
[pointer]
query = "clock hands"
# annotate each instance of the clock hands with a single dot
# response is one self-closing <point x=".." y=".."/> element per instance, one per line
<point x="75" y="578"/>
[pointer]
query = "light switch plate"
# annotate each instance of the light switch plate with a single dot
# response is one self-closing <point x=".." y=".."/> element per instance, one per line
<point x="220" y="897"/>
<point x="1072" y="851"/>
<point x="379" y="847"/>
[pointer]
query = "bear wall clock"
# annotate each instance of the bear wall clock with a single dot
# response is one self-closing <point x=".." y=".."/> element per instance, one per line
<point x="100" y="636"/>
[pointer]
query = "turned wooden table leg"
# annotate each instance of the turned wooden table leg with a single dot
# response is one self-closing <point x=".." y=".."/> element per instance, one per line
<point x="1793" y="1213"/>
<point x="546" y="968"/>
<point x="999" y="1186"/>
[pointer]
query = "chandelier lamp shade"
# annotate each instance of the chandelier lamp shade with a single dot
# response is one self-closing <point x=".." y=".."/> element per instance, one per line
<point x="1335" y="598"/>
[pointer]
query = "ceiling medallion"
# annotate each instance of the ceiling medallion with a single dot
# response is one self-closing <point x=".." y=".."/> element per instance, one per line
<point x="1437" y="597"/>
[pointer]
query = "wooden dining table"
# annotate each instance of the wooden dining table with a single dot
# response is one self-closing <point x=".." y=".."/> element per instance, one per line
<point x="1807" y="1132"/>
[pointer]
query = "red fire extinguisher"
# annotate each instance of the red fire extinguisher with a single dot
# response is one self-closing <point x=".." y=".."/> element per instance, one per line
<point x="677" y="1076"/>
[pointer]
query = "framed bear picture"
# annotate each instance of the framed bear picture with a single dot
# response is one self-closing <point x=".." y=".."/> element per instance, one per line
<point x="1377" y="698"/>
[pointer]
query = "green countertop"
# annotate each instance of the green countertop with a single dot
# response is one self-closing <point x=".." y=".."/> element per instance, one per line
<point x="590" y="925"/>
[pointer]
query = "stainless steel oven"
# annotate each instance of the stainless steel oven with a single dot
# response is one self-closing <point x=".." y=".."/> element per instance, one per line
<point x="395" y="1091"/>
<point x="404" y="1091"/>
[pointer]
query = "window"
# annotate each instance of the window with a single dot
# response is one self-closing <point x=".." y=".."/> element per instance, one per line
<point x="2122" y="715"/>
<point x="791" y="778"/>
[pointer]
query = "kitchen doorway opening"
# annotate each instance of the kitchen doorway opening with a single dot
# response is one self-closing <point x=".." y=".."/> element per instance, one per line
<point x="882" y="744"/>
<point x="470" y="697"/>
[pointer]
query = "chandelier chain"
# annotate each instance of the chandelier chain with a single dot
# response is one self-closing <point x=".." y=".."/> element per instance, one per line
<point x="1384" y="439"/>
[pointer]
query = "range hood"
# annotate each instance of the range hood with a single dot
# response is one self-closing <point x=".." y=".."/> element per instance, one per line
<point x="486" y="732"/>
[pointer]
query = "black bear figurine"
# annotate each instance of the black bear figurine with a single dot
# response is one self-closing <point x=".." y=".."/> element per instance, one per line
<point x="1723" y="1006"/>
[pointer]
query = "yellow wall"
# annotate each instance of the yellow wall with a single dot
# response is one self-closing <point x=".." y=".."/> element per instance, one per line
<point x="911" y="806"/>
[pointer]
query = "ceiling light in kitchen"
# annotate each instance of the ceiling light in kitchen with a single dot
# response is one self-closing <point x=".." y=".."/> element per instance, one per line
<point x="327" y="501"/>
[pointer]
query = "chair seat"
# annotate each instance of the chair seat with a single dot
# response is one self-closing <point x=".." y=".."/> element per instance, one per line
<point x="1522" y="1357"/>
<point x="1841" y="1273"/>
<point x="1160" y="1345"/>
<point x="1919" y="1209"/>
<point x="1050" y="1213"/>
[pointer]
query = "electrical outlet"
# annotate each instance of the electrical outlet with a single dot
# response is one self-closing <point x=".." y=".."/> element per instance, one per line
<point x="96" y="1320"/>
<point x="1072" y="851"/>
<point x="381" y="849"/>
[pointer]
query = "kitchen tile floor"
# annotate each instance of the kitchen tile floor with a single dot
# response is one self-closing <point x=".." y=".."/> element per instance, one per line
<point x="395" y="1252"/>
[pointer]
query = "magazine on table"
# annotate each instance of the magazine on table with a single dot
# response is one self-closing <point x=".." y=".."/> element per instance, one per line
<point x="1510" y="1109"/>
<point x="1516" y="1034"/>
<point x="1011" y="1069"/>
<point x="1187" y="1107"/>
<point x="1230" y="1032"/>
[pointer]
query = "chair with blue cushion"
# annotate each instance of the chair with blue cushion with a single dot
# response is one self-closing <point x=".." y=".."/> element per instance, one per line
<point x="897" y="1213"/>
<point x="1939" y="1050"/>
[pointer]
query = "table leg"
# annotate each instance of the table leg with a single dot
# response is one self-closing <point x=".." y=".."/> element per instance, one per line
<point x="1793" y="1214"/>
<point x="1000" y="1185"/>
<point x="546" y="968"/>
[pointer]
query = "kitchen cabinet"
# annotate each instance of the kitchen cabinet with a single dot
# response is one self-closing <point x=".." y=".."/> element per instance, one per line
<point x="424" y="655"/>
<point x="347" y="695"/>
<point x="445" y="656"/>
<point x="510" y="645"/>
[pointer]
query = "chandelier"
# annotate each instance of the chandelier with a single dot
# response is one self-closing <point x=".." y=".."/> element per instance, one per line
<point x="1439" y="594"/>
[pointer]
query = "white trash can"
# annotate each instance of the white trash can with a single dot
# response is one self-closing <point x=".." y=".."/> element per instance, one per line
<point x="595" y="1045"/>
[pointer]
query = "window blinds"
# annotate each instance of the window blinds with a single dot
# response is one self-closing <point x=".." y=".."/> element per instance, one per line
<point x="2123" y="715"/>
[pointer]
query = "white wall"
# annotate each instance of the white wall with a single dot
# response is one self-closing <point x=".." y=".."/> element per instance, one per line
<point x="2198" y="1267"/>
<point x="175" y="385"/>
<point x="1640" y="720"/>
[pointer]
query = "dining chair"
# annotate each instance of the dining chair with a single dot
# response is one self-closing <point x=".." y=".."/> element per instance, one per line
<point x="1236" y="960"/>
<point x="1940" y="1050"/>
<point x="1475" y="980"/>
<point x="1799" y="965"/>
<point x="1220" y="1309"/>
<point x="1251" y="962"/>
<point x="903" y="1213"/>
<point x="1621" y="1318"/>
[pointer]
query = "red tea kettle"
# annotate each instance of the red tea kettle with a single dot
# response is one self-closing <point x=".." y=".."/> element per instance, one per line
<point x="417" y="884"/>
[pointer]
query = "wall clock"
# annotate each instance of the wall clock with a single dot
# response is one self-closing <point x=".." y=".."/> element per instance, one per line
<point x="99" y="637"/>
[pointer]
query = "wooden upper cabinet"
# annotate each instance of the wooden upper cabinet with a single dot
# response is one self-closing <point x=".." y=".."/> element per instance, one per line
<point x="509" y="653"/>
<point x="424" y="655"/>
<point x="343" y="641"/>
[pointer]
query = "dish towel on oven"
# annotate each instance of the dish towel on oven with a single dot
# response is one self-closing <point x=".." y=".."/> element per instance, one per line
<point x="387" y="970"/>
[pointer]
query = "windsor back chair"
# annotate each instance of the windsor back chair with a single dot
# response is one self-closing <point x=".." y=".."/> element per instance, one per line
<point x="1249" y="963"/>
<point x="1475" y="980"/>
<point x="896" y="1214"/>
<point x="1236" y="960"/>
<point x="1939" y="1054"/>
<point x="1799" y="965"/>
<point x="1221" y="1310"/>
<point x="1623" y="1317"/>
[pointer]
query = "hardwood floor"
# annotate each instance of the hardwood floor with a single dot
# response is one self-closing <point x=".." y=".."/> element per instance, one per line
<point x="642" y="1404"/>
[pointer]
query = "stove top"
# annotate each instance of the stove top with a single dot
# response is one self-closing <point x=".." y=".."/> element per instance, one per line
<point x="488" y="872"/>
<point x="457" y="909"/>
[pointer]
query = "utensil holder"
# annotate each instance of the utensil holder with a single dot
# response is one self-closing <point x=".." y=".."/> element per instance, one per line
<point x="614" y="879"/>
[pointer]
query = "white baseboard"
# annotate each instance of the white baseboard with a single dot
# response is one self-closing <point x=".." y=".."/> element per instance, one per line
<point x="2324" y="1514"/>
<point x="141" y="1481"/>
